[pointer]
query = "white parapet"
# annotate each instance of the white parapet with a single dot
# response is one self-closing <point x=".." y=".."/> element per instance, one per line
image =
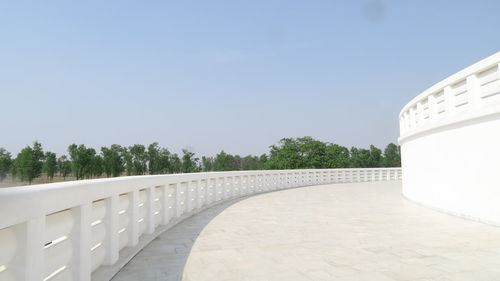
<point x="450" y="143"/>
<point x="81" y="230"/>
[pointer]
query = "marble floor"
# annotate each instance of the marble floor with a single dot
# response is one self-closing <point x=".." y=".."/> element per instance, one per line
<point x="359" y="231"/>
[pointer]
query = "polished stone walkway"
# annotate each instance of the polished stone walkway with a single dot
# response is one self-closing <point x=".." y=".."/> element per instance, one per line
<point x="341" y="232"/>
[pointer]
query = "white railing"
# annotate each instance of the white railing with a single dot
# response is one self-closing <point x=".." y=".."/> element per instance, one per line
<point x="71" y="230"/>
<point x="468" y="94"/>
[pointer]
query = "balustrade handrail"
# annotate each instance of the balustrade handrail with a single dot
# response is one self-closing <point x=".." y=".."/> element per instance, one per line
<point x="467" y="94"/>
<point x="67" y="230"/>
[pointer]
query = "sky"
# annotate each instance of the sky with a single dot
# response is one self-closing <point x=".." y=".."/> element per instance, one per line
<point x="227" y="75"/>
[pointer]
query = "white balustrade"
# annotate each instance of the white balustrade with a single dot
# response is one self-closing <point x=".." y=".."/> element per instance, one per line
<point x="449" y="137"/>
<point x="471" y="93"/>
<point x="67" y="231"/>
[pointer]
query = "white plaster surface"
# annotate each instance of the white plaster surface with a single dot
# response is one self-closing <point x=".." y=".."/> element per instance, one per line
<point x="359" y="231"/>
<point x="456" y="170"/>
<point x="449" y="137"/>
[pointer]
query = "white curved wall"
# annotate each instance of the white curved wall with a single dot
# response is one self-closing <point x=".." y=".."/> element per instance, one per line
<point x="450" y="144"/>
<point x="83" y="229"/>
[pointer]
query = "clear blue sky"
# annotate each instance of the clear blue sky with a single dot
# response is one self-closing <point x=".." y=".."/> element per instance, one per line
<point x="232" y="75"/>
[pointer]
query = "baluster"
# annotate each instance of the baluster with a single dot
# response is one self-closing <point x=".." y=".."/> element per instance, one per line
<point x="208" y="198"/>
<point x="474" y="91"/>
<point x="240" y="186"/>
<point x="224" y="187"/>
<point x="150" y="216"/>
<point x="449" y="100"/>
<point x="133" y="217"/>
<point x="413" y="117"/>
<point x="431" y="100"/>
<point x="197" y="184"/>
<point x="210" y="187"/>
<point x="216" y="189"/>
<point x="80" y="240"/>
<point x="178" y="205"/>
<point x="112" y="237"/>
<point x="232" y="187"/>
<point x="29" y="264"/>
<point x="189" y="197"/>
<point x="165" y="205"/>
<point x="420" y="113"/>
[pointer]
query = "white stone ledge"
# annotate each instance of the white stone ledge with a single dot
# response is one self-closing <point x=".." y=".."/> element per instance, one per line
<point x="450" y="149"/>
<point x="83" y="229"/>
<point x="471" y="93"/>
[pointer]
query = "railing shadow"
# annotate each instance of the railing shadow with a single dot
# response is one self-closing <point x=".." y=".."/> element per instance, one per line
<point x="166" y="256"/>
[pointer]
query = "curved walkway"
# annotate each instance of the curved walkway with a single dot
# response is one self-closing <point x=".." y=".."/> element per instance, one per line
<point x="361" y="231"/>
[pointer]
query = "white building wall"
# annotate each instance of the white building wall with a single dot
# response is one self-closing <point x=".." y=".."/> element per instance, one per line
<point x="451" y="151"/>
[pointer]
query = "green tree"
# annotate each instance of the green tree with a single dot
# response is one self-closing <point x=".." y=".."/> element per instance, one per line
<point x="189" y="162"/>
<point x="96" y="166"/>
<point x="112" y="160"/>
<point x="300" y="153"/>
<point x="13" y="168"/>
<point x="139" y="159"/>
<point x="207" y="164"/>
<point x="29" y="162"/>
<point x="237" y="162"/>
<point x="286" y="155"/>
<point x="81" y="160"/>
<point x="314" y="153"/>
<point x="250" y="162"/>
<point x="225" y="162"/>
<point x="154" y="165"/>
<point x="392" y="156"/>
<point x="360" y="158"/>
<point x="263" y="161"/>
<point x="164" y="161"/>
<point x="64" y="166"/>
<point x="5" y="163"/>
<point x="175" y="164"/>
<point x="50" y="165"/>
<point x="127" y="159"/>
<point x="39" y="157"/>
<point x="25" y="164"/>
<point x="75" y="161"/>
<point x="337" y="156"/>
<point x="375" y="159"/>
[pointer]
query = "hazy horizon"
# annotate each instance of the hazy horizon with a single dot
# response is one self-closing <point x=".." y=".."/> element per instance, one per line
<point x="229" y="76"/>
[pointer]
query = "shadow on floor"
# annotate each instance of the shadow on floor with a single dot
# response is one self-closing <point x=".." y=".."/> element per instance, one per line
<point x="165" y="257"/>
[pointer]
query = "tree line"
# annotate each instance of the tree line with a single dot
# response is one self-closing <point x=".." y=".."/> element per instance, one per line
<point x="85" y="162"/>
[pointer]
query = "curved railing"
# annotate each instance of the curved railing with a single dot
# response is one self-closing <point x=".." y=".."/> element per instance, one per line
<point x="83" y="229"/>
<point x="450" y="143"/>
<point x="469" y="94"/>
